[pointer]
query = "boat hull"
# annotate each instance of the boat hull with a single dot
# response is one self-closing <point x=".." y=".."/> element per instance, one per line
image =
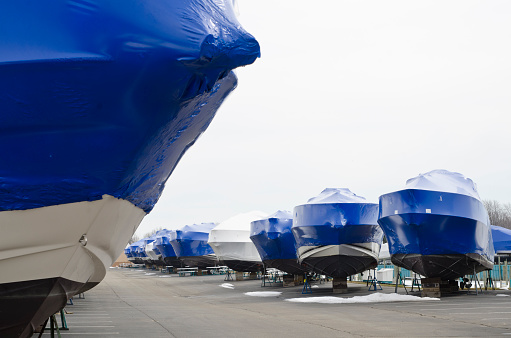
<point x="446" y="266"/>
<point x="27" y="302"/>
<point x="437" y="234"/>
<point x="238" y="256"/>
<point x="290" y="266"/>
<point x="201" y="262"/>
<point x="245" y="266"/>
<point x="340" y="260"/>
<point x="51" y="264"/>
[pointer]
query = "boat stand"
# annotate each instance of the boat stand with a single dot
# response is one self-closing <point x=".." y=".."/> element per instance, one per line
<point x="400" y="280"/>
<point x="54" y="327"/>
<point x="264" y="278"/>
<point x="475" y="280"/>
<point x="375" y="285"/>
<point x="306" y="285"/>
<point x="228" y="275"/>
<point x="489" y="282"/>
<point x="415" y="282"/>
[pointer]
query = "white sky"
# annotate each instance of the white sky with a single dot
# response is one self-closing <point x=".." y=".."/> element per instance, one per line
<point x="354" y="94"/>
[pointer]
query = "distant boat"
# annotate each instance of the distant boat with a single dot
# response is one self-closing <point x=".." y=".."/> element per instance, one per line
<point x="99" y="101"/>
<point x="337" y="233"/>
<point x="501" y="240"/>
<point x="437" y="226"/>
<point x="231" y="242"/>
<point x="275" y="242"/>
<point x="162" y="242"/>
<point x="191" y="246"/>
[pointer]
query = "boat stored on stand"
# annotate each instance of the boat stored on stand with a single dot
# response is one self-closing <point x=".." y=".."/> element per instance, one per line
<point x="437" y="226"/>
<point x="191" y="246"/>
<point x="275" y="242"/>
<point x="337" y="233"/>
<point x="232" y="245"/>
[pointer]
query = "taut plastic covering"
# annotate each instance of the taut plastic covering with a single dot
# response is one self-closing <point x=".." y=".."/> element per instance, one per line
<point x="192" y="240"/>
<point x="231" y="239"/>
<point x="105" y="96"/>
<point x="501" y="239"/>
<point x="336" y="216"/>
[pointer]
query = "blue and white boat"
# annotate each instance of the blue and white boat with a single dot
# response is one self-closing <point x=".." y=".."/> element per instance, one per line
<point x="337" y="233"/>
<point x="99" y="101"/>
<point x="275" y="242"/>
<point x="168" y="254"/>
<point x="191" y="246"/>
<point x="437" y="226"/>
<point x="501" y="240"/>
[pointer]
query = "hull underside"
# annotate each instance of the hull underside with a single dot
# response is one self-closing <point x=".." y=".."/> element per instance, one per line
<point x="25" y="305"/>
<point x="290" y="266"/>
<point x="40" y="272"/>
<point x="340" y="260"/>
<point x="447" y="267"/>
<point x="201" y="262"/>
<point x="173" y="261"/>
<point x="246" y="266"/>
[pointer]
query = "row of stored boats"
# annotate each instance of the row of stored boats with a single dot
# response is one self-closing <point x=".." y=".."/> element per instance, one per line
<point x="436" y="226"/>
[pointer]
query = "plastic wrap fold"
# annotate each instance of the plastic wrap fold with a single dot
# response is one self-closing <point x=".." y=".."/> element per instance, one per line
<point x="336" y="216"/>
<point x="272" y="236"/>
<point x="104" y="96"/>
<point x="192" y="240"/>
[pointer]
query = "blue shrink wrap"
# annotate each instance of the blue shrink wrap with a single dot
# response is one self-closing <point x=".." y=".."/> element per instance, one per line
<point x="105" y="96"/>
<point x="337" y="233"/>
<point x="501" y="239"/>
<point x="192" y="240"/>
<point x="437" y="226"/>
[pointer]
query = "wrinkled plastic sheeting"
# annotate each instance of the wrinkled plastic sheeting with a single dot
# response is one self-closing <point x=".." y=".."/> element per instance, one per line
<point x="192" y="240"/>
<point x="104" y="96"/>
<point x="431" y="222"/>
<point x="163" y="244"/>
<point x="273" y="237"/>
<point x="336" y="216"/>
<point x="444" y="180"/>
<point x="501" y="239"/>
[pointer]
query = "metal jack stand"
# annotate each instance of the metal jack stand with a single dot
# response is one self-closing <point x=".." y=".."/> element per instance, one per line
<point x="489" y="282"/>
<point x="415" y="282"/>
<point x="306" y="286"/>
<point x="228" y="275"/>
<point x="53" y="327"/>
<point x="63" y="321"/>
<point x="374" y="285"/>
<point x="399" y="280"/>
<point x="475" y="280"/>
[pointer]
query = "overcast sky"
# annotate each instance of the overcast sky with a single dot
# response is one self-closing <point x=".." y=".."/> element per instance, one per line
<point x="356" y="94"/>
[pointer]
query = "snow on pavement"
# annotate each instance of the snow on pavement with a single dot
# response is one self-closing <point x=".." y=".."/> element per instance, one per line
<point x="373" y="298"/>
<point x="264" y="293"/>
<point x="227" y="286"/>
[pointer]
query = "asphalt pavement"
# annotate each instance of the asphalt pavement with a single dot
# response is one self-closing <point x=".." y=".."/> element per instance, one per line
<point x="145" y="303"/>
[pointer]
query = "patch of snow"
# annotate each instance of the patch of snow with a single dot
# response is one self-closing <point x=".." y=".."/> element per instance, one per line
<point x="227" y="286"/>
<point x="315" y="286"/>
<point x="164" y="276"/>
<point x="502" y="295"/>
<point x="263" y="293"/>
<point x="373" y="298"/>
<point x="150" y="273"/>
